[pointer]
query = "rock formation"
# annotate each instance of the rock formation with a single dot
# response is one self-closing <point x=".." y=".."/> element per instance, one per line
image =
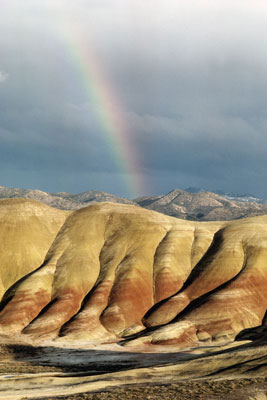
<point x="116" y="272"/>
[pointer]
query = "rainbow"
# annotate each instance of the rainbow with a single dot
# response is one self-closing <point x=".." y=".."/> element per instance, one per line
<point x="109" y="111"/>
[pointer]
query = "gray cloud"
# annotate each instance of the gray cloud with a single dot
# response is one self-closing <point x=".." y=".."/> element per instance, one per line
<point x="3" y="76"/>
<point x="190" y="78"/>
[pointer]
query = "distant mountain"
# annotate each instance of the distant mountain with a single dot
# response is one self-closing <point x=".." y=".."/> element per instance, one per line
<point x="233" y="196"/>
<point x="63" y="200"/>
<point x="197" y="204"/>
<point x="97" y="196"/>
<point x="192" y="203"/>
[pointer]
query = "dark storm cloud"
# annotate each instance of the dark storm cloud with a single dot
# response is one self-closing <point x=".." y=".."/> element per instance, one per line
<point x="222" y="152"/>
<point x="43" y="139"/>
<point x="190" y="76"/>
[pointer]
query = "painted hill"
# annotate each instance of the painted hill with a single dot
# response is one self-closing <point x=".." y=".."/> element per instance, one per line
<point x="27" y="230"/>
<point x="116" y="272"/>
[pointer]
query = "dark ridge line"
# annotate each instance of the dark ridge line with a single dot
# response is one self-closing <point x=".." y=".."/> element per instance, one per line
<point x="240" y="364"/>
<point x="203" y="263"/>
<point x="59" y="334"/>
<point x="264" y="321"/>
<point x="72" y="318"/>
<point x="90" y="293"/>
<point x="257" y="367"/>
<point x="253" y="333"/>
<point x="11" y="291"/>
<point x="42" y="311"/>
<point x="194" y="304"/>
<point x="191" y="252"/>
<point x="127" y="255"/>
<point x="155" y="255"/>
<point x="46" y="308"/>
<point x="196" y="271"/>
<point x="205" y="297"/>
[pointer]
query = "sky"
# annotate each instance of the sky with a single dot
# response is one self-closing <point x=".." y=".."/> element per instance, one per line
<point x="133" y="97"/>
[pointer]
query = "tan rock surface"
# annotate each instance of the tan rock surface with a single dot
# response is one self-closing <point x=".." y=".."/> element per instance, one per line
<point x="111" y="270"/>
<point x="27" y="229"/>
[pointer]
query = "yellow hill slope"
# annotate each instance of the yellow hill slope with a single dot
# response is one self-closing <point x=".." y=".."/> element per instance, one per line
<point x="27" y="230"/>
<point x="115" y="269"/>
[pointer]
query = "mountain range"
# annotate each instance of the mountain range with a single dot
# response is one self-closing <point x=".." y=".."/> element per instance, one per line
<point x="190" y="204"/>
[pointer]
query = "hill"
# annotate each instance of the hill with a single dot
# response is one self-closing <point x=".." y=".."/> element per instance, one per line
<point x="115" y="271"/>
<point x="203" y="206"/>
<point x="62" y="200"/>
<point x="27" y="230"/>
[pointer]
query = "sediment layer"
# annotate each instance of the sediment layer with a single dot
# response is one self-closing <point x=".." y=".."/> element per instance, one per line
<point x="113" y="272"/>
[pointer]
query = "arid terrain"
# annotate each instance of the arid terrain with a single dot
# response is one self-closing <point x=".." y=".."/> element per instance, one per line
<point x="191" y="204"/>
<point x="50" y="372"/>
<point x="114" y="294"/>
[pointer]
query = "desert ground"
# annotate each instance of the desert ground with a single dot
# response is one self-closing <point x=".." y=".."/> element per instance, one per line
<point x="232" y="371"/>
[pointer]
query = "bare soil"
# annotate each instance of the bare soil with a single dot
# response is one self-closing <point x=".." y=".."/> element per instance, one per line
<point x="238" y="388"/>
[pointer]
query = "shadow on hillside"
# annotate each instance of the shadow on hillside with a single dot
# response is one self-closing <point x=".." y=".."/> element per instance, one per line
<point x="94" y="362"/>
<point x="87" y="361"/>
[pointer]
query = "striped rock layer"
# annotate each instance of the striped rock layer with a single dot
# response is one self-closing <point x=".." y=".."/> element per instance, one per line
<point x="115" y="272"/>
